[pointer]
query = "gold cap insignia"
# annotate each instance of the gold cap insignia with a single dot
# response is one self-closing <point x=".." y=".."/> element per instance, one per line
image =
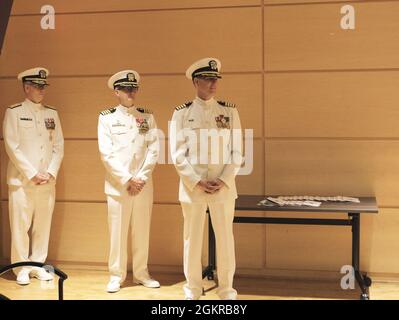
<point x="130" y="77"/>
<point x="43" y="74"/>
<point x="213" y="64"/>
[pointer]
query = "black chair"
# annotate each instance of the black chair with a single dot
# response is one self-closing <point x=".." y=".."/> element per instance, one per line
<point x="62" y="276"/>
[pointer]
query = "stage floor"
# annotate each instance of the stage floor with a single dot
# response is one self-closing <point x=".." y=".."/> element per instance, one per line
<point x="90" y="285"/>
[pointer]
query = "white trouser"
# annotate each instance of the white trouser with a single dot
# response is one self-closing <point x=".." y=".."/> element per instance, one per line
<point x="31" y="206"/>
<point x="123" y="212"/>
<point x="222" y="215"/>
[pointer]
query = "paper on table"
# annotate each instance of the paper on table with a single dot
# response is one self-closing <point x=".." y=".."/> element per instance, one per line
<point x="317" y="198"/>
<point x="282" y="202"/>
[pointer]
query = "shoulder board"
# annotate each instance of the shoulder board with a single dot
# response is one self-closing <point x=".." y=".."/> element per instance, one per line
<point x="15" y="106"/>
<point x="108" y="111"/>
<point x="184" y="105"/>
<point x="144" y="110"/>
<point x="227" y="104"/>
<point x="52" y="108"/>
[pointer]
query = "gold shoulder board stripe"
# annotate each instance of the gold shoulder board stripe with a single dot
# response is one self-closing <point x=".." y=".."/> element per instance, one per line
<point x="108" y="111"/>
<point x="52" y="108"/>
<point x="144" y="110"/>
<point x="227" y="104"/>
<point x="184" y="105"/>
<point x="15" y="106"/>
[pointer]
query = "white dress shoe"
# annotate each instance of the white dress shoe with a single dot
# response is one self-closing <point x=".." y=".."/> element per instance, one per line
<point x="23" y="277"/>
<point x="114" y="285"/>
<point x="148" y="283"/>
<point x="42" y="274"/>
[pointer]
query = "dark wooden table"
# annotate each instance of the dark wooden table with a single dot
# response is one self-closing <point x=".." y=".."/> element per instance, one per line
<point x="367" y="205"/>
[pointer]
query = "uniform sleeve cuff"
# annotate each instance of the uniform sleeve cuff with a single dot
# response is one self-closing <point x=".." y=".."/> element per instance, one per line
<point x="31" y="175"/>
<point x="53" y="173"/>
<point x="225" y="182"/>
<point x="126" y="179"/>
<point x="142" y="177"/>
<point x="193" y="183"/>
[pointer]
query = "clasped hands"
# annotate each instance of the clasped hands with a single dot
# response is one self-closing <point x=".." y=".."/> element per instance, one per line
<point x="42" y="178"/>
<point x="210" y="186"/>
<point x="134" y="186"/>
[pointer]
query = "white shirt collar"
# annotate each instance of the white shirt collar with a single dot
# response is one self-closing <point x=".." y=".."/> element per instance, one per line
<point x="125" y="110"/>
<point x="34" y="106"/>
<point x="205" y="103"/>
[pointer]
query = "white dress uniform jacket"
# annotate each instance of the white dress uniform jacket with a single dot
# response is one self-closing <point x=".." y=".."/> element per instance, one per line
<point x="128" y="144"/>
<point x="199" y="157"/>
<point x="196" y="156"/>
<point x="34" y="142"/>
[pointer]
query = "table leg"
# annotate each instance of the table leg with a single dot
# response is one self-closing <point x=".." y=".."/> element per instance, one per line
<point x="362" y="279"/>
<point x="208" y="271"/>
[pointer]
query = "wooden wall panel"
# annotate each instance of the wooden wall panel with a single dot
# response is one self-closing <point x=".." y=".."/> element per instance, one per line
<point x="329" y="248"/>
<point x="308" y="37"/>
<point x="79" y="233"/>
<point x="79" y="100"/>
<point x="333" y="167"/>
<point x="166" y="184"/>
<point x="250" y="242"/>
<point x="253" y="183"/>
<point x="74" y="47"/>
<point x="166" y="242"/>
<point x="81" y="177"/>
<point x="332" y="104"/>
<point x="307" y="247"/>
<point x="5" y="231"/>
<point x="33" y="6"/>
<point x="379" y="242"/>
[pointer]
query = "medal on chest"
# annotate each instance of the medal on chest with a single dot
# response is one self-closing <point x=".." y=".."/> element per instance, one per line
<point x="142" y="125"/>
<point x="50" y="126"/>
<point x="223" y="122"/>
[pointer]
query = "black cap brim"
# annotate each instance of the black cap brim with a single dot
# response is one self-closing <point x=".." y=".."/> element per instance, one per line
<point x="209" y="77"/>
<point x="39" y="82"/>
<point x="123" y="86"/>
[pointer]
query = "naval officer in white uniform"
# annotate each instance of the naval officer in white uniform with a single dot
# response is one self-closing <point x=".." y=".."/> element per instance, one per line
<point x="207" y="173"/>
<point x="129" y="148"/>
<point x="35" y="147"/>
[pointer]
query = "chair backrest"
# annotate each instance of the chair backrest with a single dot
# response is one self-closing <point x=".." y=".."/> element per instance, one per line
<point x="3" y="297"/>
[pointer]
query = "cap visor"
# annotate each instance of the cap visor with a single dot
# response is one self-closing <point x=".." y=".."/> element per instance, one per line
<point x="125" y="86"/>
<point x="209" y="76"/>
<point x="37" y="82"/>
